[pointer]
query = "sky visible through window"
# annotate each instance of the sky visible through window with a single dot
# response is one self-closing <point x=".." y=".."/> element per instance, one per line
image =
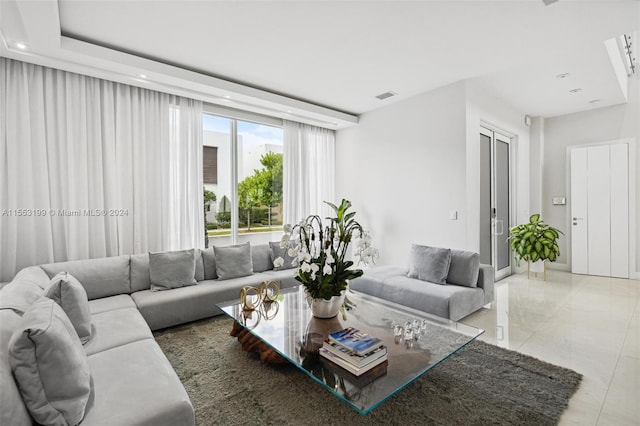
<point x="253" y="133"/>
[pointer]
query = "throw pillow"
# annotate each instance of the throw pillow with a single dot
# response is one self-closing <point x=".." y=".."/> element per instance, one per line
<point x="429" y="263"/>
<point x="50" y="365"/>
<point x="209" y="261"/>
<point x="278" y="252"/>
<point x="233" y="261"/>
<point x="464" y="268"/>
<point x="67" y="292"/>
<point x="172" y="269"/>
<point x="261" y="258"/>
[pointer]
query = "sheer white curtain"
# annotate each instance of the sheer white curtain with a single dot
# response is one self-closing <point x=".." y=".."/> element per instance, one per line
<point x="92" y="168"/>
<point x="308" y="171"/>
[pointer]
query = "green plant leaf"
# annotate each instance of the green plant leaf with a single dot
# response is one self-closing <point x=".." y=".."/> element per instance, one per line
<point x="534" y="218"/>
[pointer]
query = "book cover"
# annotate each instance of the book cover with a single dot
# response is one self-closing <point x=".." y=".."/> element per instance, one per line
<point x="355" y="340"/>
<point x="352" y="357"/>
<point x="356" y="371"/>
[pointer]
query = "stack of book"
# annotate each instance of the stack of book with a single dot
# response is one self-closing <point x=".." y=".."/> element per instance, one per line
<point x="353" y="350"/>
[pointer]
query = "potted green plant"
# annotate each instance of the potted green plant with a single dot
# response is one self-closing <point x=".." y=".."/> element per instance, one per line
<point x="535" y="241"/>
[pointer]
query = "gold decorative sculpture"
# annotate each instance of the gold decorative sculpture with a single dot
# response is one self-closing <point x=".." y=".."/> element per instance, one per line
<point x="269" y="290"/>
<point x="250" y="298"/>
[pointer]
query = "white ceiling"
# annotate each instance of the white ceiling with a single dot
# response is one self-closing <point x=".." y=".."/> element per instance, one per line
<point x="334" y="55"/>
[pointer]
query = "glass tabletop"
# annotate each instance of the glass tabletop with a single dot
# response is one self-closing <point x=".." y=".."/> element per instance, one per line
<point x="288" y="327"/>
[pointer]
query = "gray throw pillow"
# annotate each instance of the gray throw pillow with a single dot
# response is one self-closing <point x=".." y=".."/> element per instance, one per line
<point x="172" y="269"/>
<point x="261" y="258"/>
<point x="50" y="365"/>
<point x="429" y="263"/>
<point x="276" y="251"/>
<point x="233" y="261"/>
<point x="67" y="292"/>
<point x="464" y="268"/>
<point x="209" y="260"/>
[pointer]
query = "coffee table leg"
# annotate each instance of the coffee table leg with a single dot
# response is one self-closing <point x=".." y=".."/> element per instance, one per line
<point x="251" y="343"/>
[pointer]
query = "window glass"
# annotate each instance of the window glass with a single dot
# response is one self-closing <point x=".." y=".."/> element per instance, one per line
<point x="217" y="196"/>
<point x="259" y="182"/>
<point x="259" y="178"/>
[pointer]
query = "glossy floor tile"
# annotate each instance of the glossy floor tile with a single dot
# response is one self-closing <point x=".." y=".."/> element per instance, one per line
<point x="589" y="324"/>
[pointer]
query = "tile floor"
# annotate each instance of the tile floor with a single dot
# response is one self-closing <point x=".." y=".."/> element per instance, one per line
<point x="589" y="324"/>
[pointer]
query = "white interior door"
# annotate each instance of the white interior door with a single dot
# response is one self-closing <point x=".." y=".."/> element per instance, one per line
<point x="579" y="250"/>
<point x="600" y="210"/>
<point x="619" y="159"/>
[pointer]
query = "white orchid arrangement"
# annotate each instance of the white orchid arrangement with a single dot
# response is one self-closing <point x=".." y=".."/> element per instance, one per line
<point x="319" y="251"/>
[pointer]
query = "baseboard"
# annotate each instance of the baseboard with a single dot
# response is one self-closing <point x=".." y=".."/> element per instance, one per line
<point x="558" y="266"/>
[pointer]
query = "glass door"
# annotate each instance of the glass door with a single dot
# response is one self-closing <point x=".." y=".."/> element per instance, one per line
<point x="495" y="201"/>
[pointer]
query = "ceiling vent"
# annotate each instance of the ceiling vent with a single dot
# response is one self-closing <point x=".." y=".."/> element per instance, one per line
<point x="385" y="95"/>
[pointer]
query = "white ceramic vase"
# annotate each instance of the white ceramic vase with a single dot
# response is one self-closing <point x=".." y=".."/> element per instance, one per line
<point x="322" y="308"/>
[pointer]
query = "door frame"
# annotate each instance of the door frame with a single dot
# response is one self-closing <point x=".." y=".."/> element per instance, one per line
<point x="631" y="143"/>
<point x="506" y="137"/>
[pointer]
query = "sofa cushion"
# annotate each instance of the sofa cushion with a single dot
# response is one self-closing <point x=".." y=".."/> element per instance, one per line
<point x="285" y="277"/>
<point x="67" y="292"/>
<point x="116" y="328"/>
<point x="464" y="268"/>
<point x="429" y="263"/>
<point x="27" y="287"/>
<point x="102" y="277"/>
<point x="209" y="261"/>
<point x="276" y="252"/>
<point x="121" y="301"/>
<point x="50" y="365"/>
<point x="12" y="408"/>
<point x="261" y="258"/>
<point x="446" y="301"/>
<point x="233" y="261"/>
<point x="140" y="278"/>
<point x="134" y="384"/>
<point x="162" y="309"/>
<point x="172" y="269"/>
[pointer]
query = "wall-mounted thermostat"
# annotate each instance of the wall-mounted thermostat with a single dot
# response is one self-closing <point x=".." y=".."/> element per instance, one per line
<point x="558" y="201"/>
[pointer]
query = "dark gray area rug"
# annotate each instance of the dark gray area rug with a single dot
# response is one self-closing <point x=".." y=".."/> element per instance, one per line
<point x="480" y="385"/>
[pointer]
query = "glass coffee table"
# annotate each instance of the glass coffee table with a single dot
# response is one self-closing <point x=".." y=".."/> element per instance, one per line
<point x="288" y="327"/>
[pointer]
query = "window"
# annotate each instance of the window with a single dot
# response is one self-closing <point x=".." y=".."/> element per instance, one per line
<point x="210" y="164"/>
<point x="245" y="201"/>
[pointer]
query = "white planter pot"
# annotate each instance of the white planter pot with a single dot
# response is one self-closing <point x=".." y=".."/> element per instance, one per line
<point x="537" y="266"/>
<point x="322" y="308"/>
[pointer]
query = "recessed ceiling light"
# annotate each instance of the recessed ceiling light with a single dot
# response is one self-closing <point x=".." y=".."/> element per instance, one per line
<point x="288" y="111"/>
<point x="563" y="75"/>
<point x="227" y="97"/>
<point x="593" y="101"/>
<point x="21" y="46"/>
<point x="142" y="76"/>
<point x="575" y="90"/>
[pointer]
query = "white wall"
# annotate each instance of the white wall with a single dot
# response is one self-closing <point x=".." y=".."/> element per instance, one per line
<point x="408" y="165"/>
<point x="403" y="167"/>
<point x="598" y="125"/>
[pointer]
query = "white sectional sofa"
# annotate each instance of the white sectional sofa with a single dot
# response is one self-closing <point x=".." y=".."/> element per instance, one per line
<point x="132" y="382"/>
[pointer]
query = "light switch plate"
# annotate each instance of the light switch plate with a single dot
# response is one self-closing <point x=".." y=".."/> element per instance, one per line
<point x="558" y="201"/>
<point x="453" y="215"/>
